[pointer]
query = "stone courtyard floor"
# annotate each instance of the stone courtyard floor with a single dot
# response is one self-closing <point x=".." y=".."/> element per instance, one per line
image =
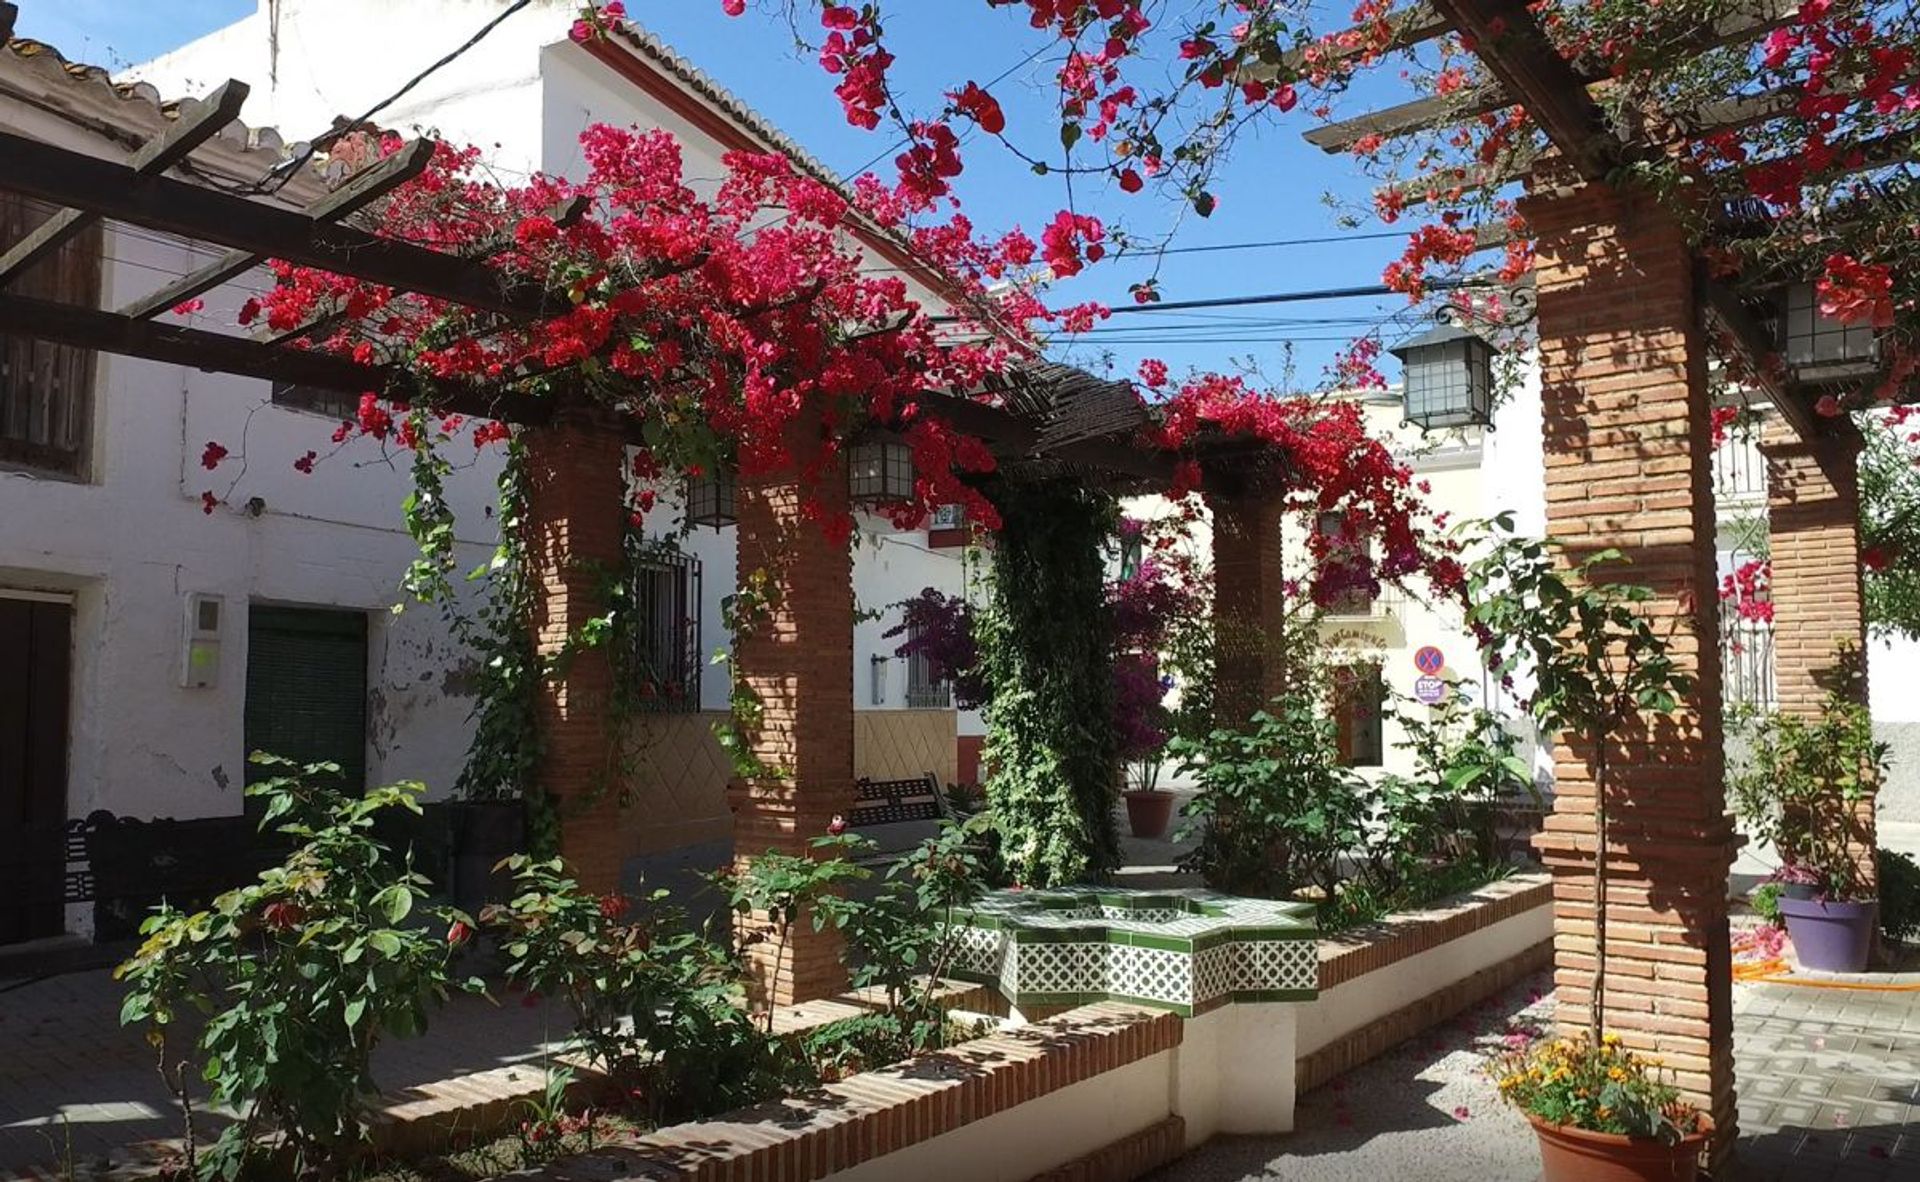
<point x="1829" y="1089"/>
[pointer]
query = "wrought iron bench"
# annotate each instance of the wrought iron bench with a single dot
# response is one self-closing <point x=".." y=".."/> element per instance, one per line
<point x="897" y="815"/>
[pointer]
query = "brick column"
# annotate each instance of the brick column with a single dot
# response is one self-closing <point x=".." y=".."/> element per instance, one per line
<point x="1628" y="454"/>
<point x="1819" y="591"/>
<point x="1249" y="604"/>
<point x="576" y="515"/>
<point x="799" y="661"/>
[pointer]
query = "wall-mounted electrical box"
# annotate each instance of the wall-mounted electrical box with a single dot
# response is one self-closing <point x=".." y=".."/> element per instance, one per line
<point x="200" y="648"/>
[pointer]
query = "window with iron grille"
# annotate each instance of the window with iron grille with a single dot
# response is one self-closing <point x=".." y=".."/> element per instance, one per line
<point x="1347" y="552"/>
<point x="332" y="404"/>
<point x="46" y="390"/>
<point x="924" y="691"/>
<point x="662" y="638"/>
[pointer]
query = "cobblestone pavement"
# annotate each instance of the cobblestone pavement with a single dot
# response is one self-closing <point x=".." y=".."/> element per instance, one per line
<point x="75" y="1084"/>
<point x="1829" y="1090"/>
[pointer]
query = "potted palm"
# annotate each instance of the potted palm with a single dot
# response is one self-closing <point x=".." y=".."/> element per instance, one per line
<point x="1799" y="791"/>
<point x="1597" y="665"/>
<point x="1149" y="807"/>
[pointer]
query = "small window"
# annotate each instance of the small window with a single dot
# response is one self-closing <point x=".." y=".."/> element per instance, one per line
<point x="1347" y="566"/>
<point x="1359" y="701"/>
<point x="46" y="390"/>
<point x="332" y="404"/>
<point x="924" y="692"/>
<point x="307" y="690"/>
<point x="1132" y="553"/>
<point x="662" y="652"/>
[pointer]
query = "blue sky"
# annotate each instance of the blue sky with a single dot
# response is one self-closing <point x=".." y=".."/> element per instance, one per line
<point x="1271" y="190"/>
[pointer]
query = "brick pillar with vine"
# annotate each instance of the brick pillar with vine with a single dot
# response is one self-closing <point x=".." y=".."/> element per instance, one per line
<point x="1819" y="592"/>
<point x="1628" y="439"/>
<point x="1249" y="603"/>
<point x="576" y="518"/>
<point x="793" y="664"/>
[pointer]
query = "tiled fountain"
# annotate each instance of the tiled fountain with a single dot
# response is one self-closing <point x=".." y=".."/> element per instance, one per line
<point x="1189" y="951"/>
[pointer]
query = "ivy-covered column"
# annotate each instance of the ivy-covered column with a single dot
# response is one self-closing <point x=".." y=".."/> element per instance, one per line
<point x="1628" y="438"/>
<point x="793" y="664"/>
<point x="576" y="516"/>
<point x="1046" y="656"/>
<point x="1249" y="603"/>
<point x="1819" y="592"/>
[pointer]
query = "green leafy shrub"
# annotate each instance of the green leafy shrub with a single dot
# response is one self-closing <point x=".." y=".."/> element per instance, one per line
<point x="654" y="1003"/>
<point x="1765" y="902"/>
<point x="1275" y="810"/>
<point x="302" y="974"/>
<point x="1799" y="785"/>
<point x="1899" y="895"/>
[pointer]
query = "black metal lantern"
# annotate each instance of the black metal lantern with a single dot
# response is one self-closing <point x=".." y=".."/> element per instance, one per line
<point x="1819" y="347"/>
<point x="1448" y="378"/>
<point x="880" y="470"/>
<point x="710" y="500"/>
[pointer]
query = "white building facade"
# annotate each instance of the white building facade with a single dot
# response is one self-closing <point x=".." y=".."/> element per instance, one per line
<point x="161" y="636"/>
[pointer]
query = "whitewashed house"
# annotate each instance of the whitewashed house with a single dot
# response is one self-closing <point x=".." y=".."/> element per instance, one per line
<point x="149" y="639"/>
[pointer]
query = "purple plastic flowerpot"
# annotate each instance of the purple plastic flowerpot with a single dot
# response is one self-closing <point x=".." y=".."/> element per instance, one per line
<point x="1831" y="935"/>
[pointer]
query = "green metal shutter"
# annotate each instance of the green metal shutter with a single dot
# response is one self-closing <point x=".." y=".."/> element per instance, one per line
<point x="307" y="688"/>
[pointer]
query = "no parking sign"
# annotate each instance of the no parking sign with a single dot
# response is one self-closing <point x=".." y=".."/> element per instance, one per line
<point x="1429" y="660"/>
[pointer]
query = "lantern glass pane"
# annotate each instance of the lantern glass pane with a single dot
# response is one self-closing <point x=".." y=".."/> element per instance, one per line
<point x="880" y="471"/>
<point x="710" y="500"/>
<point x="1811" y="338"/>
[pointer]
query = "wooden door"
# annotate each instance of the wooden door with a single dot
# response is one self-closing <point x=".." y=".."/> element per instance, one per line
<point x="36" y="652"/>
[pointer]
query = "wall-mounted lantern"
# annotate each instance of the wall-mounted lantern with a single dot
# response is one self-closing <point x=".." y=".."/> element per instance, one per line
<point x="1817" y="346"/>
<point x="1448" y="378"/>
<point x="710" y="500"/>
<point x="877" y="668"/>
<point x="880" y="470"/>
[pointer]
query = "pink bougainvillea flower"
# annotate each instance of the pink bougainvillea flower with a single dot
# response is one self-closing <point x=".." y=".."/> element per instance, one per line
<point x="211" y="455"/>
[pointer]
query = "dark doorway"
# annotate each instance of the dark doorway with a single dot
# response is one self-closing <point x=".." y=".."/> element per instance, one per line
<point x="36" y="659"/>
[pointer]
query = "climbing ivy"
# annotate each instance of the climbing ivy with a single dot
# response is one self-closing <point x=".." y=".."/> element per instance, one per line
<point x="1046" y="651"/>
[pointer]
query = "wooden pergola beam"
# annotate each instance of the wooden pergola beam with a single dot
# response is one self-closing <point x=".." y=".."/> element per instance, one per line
<point x="368" y="186"/>
<point x="155" y="157"/>
<point x="1516" y="51"/>
<point x="111" y="190"/>
<point x="8" y="14"/>
<point x="1410" y="26"/>
<point x="1439" y="110"/>
<point x="171" y="344"/>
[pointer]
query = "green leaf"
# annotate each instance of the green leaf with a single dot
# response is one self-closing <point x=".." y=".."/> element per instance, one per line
<point x="1069" y="135"/>
<point x="354" y="1010"/>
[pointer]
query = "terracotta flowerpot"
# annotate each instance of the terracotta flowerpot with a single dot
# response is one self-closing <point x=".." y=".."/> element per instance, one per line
<point x="1149" y="811"/>
<point x="1576" y="1155"/>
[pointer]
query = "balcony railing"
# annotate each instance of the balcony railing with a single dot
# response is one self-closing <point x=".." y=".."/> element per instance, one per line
<point x="1739" y="470"/>
<point x="1357" y="604"/>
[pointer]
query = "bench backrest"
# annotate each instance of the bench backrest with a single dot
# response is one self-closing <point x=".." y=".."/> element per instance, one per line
<point x="897" y="815"/>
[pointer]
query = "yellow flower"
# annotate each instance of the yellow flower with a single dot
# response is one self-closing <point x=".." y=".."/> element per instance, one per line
<point x="1612" y="1040"/>
<point x="1603" y="1112"/>
<point x="1616" y="1074"/>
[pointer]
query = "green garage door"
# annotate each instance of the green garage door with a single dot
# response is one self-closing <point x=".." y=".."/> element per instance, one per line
<point x="307" y="688"/>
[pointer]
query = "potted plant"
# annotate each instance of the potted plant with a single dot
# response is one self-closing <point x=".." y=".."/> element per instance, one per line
<point x="1597" y="665"/>
<point x="1601" y="1112"/>
<point x="1799" y="791"/>
<point x="1149" y="807"/>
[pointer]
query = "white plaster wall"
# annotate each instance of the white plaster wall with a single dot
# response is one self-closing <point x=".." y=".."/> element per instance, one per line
<point x="1020" y="1142"/>
<point x="1234" y="1070"/>
<point x="133" y="541"/>
<point x="1355" y="1004"/>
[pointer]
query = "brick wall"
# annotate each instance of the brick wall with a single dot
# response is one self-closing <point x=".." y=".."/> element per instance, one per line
<point x="1628" y="454"/>
<point x="1819" y="607"/>
<point x="576" y="518"/>
<point x="800" y="664"/>
<point x="1249" y="604"/>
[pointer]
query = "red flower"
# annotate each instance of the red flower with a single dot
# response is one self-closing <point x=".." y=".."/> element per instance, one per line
<point x="207" y="503"/>
<point x="612" y="906"/>
<point x="733" y="7"/>
<point x="1854" y="292"/>
<point x="282" y="916"/>
<point x="249" y="311"/>
<point x="1828" y="406"/>
<point x="1130" y="181"/>
<point x="981" y="107"/>
<point x="459" y="933"/>
<point x="189" y="307"/>
<point x="211" y="455"/>
<point x="837" y="826"/>
<point x="1875" y="558"/>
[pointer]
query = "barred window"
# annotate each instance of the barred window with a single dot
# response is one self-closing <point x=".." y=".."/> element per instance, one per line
<point x="662" y="633"/>
<point x="1359" y="703"/>
<point x="332" y="404"/>
<point x="923" y="690"/>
